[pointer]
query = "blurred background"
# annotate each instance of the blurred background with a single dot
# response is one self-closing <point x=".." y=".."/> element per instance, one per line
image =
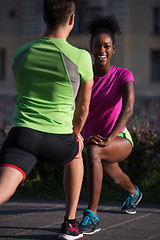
<point x="138" y="47"/>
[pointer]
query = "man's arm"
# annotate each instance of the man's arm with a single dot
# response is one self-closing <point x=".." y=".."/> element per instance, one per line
<point x="82" y="105"/>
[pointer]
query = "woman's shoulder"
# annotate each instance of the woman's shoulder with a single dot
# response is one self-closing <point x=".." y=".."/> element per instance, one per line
<point x="121" y="70"/>
<point x="123" y="74"/>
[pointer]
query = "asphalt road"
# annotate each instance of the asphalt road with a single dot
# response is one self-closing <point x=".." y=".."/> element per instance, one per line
<point x="31" y="219"/>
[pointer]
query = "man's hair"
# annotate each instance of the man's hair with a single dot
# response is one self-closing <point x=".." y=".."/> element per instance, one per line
<point x="57" y="12"/>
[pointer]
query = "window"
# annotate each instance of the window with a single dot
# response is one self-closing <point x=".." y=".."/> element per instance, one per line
<point x="156" y="66"/>
<point x="2" y="64"/>
<point x="156" y="20"/>
<point x="31" y="15"/>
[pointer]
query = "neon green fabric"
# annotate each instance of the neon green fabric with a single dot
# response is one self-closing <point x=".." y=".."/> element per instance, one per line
<point x="44" y="86"/>
<point x="126" y="134"/>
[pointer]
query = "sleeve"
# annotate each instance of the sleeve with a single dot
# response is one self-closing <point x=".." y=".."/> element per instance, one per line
<point x="85" y="68"/>
<point x="126" y="76"/>
<point x="18" y="53"/>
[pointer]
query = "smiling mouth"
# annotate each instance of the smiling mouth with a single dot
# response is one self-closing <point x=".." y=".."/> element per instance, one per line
<point x="102" y="57"/>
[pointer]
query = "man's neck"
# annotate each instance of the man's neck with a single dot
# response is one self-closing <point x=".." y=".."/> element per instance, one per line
<point x="59" y="33"/>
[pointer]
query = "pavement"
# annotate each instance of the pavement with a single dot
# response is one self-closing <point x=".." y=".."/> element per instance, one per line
<point x="32" y="219"/>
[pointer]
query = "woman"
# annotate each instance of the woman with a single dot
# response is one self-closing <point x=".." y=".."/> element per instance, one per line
<point x="107" y="139"/>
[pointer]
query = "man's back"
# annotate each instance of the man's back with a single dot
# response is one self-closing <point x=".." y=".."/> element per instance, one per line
<point x="48" y="72"/>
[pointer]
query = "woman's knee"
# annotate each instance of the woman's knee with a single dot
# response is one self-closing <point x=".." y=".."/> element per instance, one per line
<point x="117" y="180"/>
<point x="93" y="155"/>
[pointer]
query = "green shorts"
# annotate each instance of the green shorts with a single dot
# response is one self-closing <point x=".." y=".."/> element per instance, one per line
<point x="126" y="134"/>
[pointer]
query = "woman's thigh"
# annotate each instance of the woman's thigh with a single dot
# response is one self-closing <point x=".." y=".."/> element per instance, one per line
<point x="118" y="150"/>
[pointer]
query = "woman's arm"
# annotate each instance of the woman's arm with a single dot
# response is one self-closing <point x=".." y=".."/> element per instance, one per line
<point x="125" y="114"/>
<point x="127" y="109"/>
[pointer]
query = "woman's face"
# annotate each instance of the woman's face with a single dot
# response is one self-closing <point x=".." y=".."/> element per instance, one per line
<point x="102" y="49"/>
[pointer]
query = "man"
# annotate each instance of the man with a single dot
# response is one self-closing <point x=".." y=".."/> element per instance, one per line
<point x="53" y="82"/>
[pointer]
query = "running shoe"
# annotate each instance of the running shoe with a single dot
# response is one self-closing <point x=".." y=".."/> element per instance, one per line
<point x="70" y="231"/>
<point x="129" y="206"/>
<point x="90" y="223"/>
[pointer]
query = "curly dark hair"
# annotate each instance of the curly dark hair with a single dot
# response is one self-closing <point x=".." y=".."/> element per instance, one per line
<point x="103" y="24"/>
<point x="56" y="12"/>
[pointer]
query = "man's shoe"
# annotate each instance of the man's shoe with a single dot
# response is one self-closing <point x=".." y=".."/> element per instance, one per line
<point x="129" y="206"/>
<point x="90" y="223"/>
<point x="70" y="231"/>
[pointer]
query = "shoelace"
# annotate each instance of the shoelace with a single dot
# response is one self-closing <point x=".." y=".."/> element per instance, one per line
<point x="128" y="201"/>
<point x="88" y="219"/>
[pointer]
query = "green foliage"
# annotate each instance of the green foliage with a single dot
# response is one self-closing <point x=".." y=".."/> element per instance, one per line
<point x="142" y="166"/>
<point x="44" y="182"/>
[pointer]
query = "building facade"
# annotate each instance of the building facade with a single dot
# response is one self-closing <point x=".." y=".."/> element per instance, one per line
<point x="138" y="47"/>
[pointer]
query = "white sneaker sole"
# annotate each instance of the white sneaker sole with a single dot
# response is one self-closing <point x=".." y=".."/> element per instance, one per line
<point x="125" y="211"/>
<point x="69" y="237"/>
<point x="90" y="233"/>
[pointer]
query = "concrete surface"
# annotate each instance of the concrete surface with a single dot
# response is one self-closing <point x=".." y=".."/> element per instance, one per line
<point x="31" y="219"/>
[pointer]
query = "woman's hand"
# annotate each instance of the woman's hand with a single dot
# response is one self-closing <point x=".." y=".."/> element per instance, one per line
<point x="98" y="140"/>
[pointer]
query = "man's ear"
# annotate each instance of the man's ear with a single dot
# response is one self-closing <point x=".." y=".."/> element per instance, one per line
<point x="44" y="18"/>
<point x="71" y="19"/>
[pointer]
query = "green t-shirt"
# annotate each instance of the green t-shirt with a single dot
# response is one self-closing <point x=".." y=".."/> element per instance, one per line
<point x="48" y="72"/>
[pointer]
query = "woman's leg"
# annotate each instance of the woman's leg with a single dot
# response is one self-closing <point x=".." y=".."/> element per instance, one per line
<point x="10" y="178"/>
<point x="117" y="151"/>
<point x="94" y="176"/>
<point x="117" y="176"/>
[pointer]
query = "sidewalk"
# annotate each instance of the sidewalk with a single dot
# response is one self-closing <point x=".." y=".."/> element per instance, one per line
<point x="31" y="219"/>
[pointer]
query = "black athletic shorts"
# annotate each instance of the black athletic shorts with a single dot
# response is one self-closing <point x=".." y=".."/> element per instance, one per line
<point x="24" y="146"/>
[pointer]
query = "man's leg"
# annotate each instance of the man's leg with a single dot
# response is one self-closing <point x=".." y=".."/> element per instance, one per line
<point x="73" y="176"/>
<point x="10" y="178"/>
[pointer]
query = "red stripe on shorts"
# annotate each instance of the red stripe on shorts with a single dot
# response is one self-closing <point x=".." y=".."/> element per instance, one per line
<point x="15" y="167"/>
<point x="77" y="139"/>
